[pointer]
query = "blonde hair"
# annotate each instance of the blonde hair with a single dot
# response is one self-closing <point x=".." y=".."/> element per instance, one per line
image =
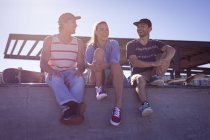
<point x="93" y="40"/>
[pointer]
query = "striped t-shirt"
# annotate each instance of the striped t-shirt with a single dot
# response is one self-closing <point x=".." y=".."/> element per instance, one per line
<point x="63" y="56"/>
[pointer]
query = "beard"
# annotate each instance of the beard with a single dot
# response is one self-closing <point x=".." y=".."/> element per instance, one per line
<point x="142" y="34"/>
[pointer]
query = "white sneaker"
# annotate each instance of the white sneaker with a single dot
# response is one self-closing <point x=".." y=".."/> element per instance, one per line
<point x="157" y="81"/>
<point x="100" y="93"/>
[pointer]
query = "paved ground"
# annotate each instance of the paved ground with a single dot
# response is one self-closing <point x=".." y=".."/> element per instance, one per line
<point x="31" y="113"/>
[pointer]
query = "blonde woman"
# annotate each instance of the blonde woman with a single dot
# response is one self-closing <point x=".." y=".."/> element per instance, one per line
<point x="103" y="60"/>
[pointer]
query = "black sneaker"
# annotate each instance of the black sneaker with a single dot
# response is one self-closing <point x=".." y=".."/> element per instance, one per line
<point x="71" y="115"/>
<point x="70" y="118"/>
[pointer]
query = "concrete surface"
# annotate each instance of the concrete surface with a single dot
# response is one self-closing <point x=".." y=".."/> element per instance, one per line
<point x="31" y="113"/>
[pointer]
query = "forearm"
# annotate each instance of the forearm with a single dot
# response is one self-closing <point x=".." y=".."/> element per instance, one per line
<point x="142" y="64"/>
<point x="46" y="68"/>
<point x="169" y="53"/>
<point x="97" y="66"/>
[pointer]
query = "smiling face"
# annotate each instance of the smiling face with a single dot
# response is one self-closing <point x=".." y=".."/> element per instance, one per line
<point x="102" y="31"/>
<point x="143" y="29"/>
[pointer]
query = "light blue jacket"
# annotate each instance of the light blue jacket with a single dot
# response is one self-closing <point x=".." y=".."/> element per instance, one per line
<point x="112" y="52"/>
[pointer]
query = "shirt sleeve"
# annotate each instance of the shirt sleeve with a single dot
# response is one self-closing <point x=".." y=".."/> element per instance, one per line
<point x="89" y="54"/>
<point x="115" y="52"/>
<point x="160" y="44"/>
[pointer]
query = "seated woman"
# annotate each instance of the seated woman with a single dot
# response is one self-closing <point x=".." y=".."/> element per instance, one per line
<point x="103" y="60"/>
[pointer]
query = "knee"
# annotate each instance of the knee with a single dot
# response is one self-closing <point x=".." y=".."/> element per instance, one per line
<point x="99" y="55"/>
<point x="141" y="81"/>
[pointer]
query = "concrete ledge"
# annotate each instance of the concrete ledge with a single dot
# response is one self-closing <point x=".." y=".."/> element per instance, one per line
<point x="31" y="113"/>
<point x="107" y="86"/>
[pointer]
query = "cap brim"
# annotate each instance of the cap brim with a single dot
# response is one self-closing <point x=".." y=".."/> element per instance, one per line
<point x="136" y="23"/>
<point x="77" y="17"/>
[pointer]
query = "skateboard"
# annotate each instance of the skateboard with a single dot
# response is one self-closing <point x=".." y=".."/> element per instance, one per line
<point x="185" y="81"/>
<point x="14" y="75"/>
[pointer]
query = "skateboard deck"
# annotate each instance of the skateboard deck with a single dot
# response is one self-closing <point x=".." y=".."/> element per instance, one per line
<point x="185" y="81"/>
<point x="14" y="75"/>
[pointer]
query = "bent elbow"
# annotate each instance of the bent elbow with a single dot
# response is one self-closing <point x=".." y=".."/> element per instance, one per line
<point x="173" y="50"/>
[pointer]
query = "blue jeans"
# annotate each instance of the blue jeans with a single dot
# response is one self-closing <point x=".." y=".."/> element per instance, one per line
<point x="67" y="87"/>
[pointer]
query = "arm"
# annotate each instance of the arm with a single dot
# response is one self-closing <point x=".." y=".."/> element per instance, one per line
<point x="168" y="52"/>
<point x="165" y="59"/>
<point x="45" y="55"/>
<point x="133" y="59"/>
<point x="115" y="53"/>
<point x="88" y="56"/>
<point x="141" y="64"/>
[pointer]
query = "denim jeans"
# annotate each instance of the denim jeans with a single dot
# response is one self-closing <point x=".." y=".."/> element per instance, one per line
<point x="67" y="87"/>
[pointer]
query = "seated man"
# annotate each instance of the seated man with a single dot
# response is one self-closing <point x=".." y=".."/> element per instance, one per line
<point x="63" y="60"/>
<point x="149" y="60"/>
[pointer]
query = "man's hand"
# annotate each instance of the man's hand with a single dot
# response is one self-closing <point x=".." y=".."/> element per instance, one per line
<point x="161" y="65"/>
<point x="78" y="72"/>
<point x="55" y="73"/>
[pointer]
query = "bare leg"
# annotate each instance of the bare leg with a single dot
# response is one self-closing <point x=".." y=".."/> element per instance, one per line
<point x="117" y="80"/>
<point x="141" y="88"/>
<point x="95" y="76"/>
<point x="145" y="109"/>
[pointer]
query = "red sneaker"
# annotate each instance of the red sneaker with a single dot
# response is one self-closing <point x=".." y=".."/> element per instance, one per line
<point x="116" y="117"/>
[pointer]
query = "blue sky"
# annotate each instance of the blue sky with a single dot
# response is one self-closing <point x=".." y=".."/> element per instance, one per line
<point x="172" y="20"/>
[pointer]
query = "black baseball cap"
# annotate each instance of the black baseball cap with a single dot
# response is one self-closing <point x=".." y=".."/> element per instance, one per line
<point x="145" y="21"/>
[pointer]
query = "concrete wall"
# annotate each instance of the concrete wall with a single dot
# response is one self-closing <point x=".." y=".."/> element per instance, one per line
<point x="31" y="113"/>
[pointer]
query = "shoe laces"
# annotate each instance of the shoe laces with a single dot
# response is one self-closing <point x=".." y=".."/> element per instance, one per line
<point x="155" y="77"/>
<point x="145" y="105"/>
<point x="116" y="112"/>
<point x="64" y="108"/>
<point x="99" y="90"/>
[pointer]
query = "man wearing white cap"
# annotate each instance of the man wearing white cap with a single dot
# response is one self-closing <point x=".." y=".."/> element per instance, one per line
<point x="62" y="59"/>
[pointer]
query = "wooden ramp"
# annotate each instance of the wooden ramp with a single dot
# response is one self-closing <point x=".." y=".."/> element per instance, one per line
<point x="29" y="112"/>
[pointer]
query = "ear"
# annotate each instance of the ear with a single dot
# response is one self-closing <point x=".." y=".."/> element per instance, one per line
<point x="150" y="29"/>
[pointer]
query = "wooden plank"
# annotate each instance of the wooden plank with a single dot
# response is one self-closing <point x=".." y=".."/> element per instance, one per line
<point x="7" y="45"/>
<point x="33" y="47"/>
<point x="14" y="46"/>
<point x="21" y="48"/>
<point x="196" y="60"/>
<point x="27" y="37"/>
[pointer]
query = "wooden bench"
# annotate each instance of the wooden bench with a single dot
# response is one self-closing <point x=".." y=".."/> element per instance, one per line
<point x="189" y="54"/>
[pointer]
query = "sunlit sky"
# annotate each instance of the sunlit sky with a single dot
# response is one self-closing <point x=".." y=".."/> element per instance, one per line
<point x="172" y="20"/>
